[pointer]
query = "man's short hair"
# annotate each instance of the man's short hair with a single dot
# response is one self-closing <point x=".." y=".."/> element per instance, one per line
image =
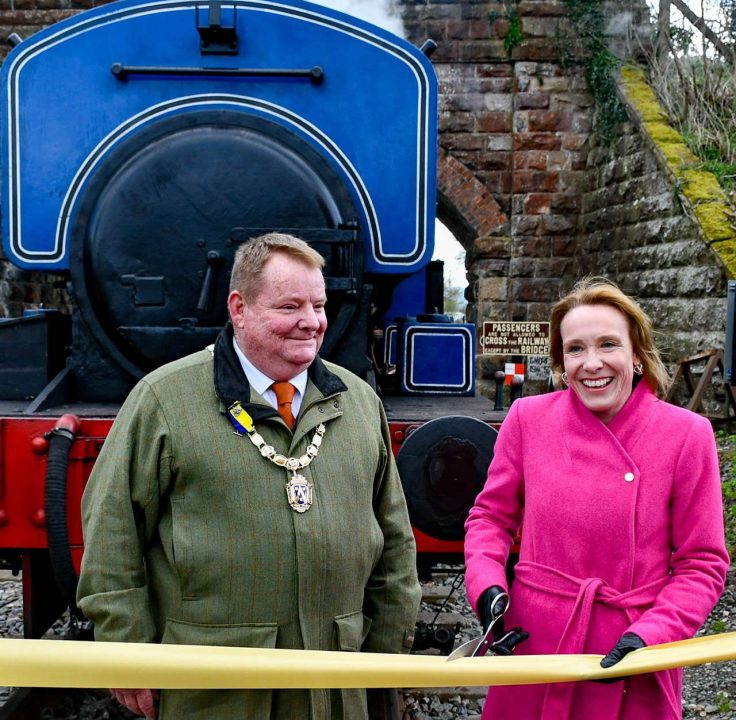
<point x="247" y="273"/>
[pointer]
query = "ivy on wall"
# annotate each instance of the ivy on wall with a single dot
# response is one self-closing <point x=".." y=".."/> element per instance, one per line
<point x="591" y="51"/>
<point x="514" y="35"/>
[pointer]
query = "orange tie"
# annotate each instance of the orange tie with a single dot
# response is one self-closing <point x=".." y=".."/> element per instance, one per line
<point x="284" y="395"/>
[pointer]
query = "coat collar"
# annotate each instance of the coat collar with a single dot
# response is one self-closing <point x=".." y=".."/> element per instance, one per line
<point x="630" y="422"/>
<point x="623" y="432"/>
<point x="231" y="383"/>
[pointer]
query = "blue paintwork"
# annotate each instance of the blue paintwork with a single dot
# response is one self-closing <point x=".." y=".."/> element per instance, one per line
<point x="64" y="111"/>
<point x="408" y="298"/>
<point x="437" y="358"/>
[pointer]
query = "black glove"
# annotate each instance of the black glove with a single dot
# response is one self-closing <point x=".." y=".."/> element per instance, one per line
<point x="485" y="603"/>
<point x="626" y="644"/>
<point x="503" y="642"/>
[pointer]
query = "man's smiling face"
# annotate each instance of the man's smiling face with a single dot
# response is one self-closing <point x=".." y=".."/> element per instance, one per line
<point x="282" y="328"/>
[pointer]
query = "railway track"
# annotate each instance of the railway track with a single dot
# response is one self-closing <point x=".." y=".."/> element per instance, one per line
<point x="62" y="704"/>
<point x="67" y="704"/>
<point x="45" y="703"/>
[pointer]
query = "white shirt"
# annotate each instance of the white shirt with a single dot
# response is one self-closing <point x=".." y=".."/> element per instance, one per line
<point x="261" y="383"/>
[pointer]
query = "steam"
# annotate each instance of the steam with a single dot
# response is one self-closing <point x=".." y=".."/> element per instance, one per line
<point x="379" y="12"/>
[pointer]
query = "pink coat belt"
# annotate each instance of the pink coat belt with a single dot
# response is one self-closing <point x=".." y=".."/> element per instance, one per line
<point x="585" y="592"/>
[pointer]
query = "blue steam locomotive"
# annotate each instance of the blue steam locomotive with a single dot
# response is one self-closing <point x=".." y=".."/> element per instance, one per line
<point x="143" y="141"/>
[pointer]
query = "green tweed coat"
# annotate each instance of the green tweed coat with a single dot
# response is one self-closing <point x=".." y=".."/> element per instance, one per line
<point x="189" y="537"/>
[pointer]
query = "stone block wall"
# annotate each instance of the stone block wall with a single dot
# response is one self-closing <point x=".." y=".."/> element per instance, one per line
<point x="637" y="230"/>
<point x="25" y="290"/>
<point x="520" y="123"/>
<point x="25" y="17"/>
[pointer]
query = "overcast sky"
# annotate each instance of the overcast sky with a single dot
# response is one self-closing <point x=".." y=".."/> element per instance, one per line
<point x="378" y="12"/>
<point x="447" y="248"/>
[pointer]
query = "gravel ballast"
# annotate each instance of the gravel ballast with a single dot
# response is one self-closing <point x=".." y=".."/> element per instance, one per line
<point x="709" y="690"/>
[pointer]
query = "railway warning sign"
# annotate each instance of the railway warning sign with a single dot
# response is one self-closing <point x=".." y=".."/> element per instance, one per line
<point x="515" y="338"/>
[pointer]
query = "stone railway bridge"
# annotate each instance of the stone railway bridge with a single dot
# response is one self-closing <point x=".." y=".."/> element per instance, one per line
<point x="525" y="184"/>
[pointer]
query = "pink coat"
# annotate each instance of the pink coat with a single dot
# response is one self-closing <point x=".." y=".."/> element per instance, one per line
<point x="623" y="531"/>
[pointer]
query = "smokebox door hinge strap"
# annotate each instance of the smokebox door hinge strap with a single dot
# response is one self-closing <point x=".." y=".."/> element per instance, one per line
<point x="217" y="35"/>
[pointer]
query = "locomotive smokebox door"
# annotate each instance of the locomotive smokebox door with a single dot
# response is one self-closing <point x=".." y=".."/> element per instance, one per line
<point x="443" y="466"/>
<point x="189" y="184"/>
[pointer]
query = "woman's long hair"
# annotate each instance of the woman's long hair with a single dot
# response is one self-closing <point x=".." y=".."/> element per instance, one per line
<point x="600" y="291"/>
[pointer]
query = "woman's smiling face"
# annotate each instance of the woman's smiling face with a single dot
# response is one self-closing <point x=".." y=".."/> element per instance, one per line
<point x="599" y="357"/>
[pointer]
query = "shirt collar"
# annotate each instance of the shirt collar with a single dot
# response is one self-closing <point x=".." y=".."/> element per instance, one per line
<point x="260" y="382"/>
<point x="231" y="382"/>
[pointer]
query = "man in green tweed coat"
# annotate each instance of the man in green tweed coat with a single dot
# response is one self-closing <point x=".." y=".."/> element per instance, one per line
<point x="191" y="533"/>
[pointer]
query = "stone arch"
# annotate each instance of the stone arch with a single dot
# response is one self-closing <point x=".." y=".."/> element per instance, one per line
<point x="472" y="215"/>
<point x="464" y="204"/>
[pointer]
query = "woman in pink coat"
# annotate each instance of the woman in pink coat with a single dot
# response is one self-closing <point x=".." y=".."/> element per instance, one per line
<point x="620" y="493"/>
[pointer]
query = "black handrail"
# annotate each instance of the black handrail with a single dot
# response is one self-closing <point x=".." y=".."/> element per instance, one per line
<point x="316" y="74"/>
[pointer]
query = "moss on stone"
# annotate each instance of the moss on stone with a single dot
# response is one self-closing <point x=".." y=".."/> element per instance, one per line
<point x="698" y="186"/>
<point x="727" y="253"/>
<point x="677" y="155"/>
<point x="716" y="226"/>
<point x="701" y="186"/>
<point x="666" y="135"/>
<point x="640" y="95"/>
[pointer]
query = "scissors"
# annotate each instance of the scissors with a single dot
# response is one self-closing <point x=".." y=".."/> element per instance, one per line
<point x="477" y="647"/>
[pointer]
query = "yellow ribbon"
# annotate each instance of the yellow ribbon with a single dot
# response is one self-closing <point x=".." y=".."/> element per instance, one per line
<point x="67" y="664"/>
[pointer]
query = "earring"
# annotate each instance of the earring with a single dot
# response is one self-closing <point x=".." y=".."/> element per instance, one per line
<point x="563" y="377"/>
<point x="638" y="369"/>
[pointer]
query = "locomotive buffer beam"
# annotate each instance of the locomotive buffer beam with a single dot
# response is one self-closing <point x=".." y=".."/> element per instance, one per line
<point x="316" y="74"/>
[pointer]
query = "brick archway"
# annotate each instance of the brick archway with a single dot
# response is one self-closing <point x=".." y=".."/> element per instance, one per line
<point x="514" y="138"/>
<point x="528" y="190"/>
<point x="472" y="215"/>
<point x="465" y="205"/>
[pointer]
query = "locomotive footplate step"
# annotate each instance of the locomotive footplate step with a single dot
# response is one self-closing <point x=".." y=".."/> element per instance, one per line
<point x="20" y="408"/>
<point x="410" y="408"/>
